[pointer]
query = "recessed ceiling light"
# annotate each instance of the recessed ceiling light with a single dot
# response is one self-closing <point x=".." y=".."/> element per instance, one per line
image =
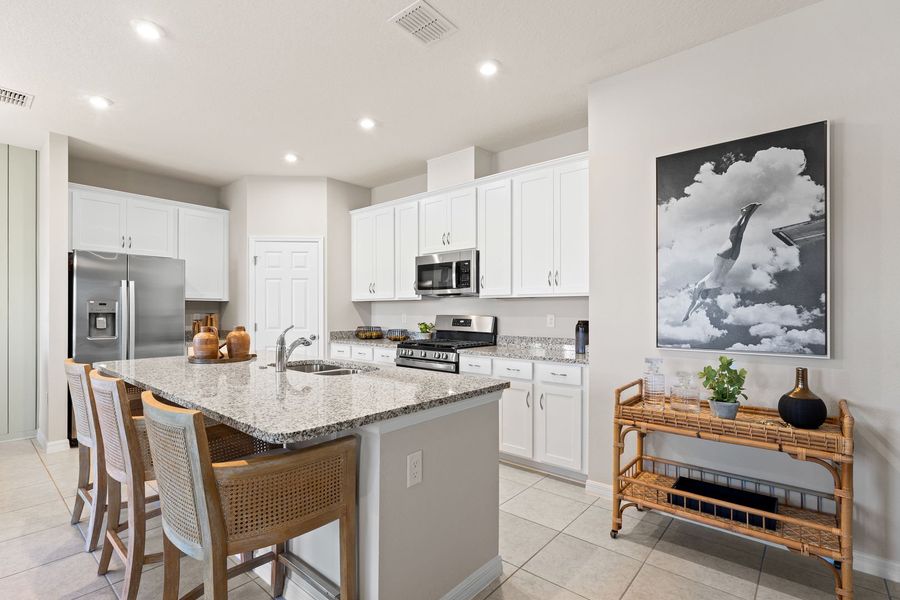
<point x="367" y="123"/>
<point x="147" y="30"/>
<point x="489" y="68"/>
<point x="99" y="102"/>
<point x="290" y="157"/>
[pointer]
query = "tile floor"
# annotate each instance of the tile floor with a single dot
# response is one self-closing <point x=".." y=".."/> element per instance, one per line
<point x="554" y="541"/>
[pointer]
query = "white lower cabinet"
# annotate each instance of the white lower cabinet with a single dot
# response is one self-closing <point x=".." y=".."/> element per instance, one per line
<point x="516" y="421"/>
<point x="557" y="426"/>
<point x="385" y="355"/>
<point x="340" y="351"/>
<point x="542" y="414"/>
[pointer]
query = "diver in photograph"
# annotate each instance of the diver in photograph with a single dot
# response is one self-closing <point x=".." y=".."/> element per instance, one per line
<point x="723" y="261"/>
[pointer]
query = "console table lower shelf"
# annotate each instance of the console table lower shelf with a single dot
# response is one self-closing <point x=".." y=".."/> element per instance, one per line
<point x="810" y="522"/>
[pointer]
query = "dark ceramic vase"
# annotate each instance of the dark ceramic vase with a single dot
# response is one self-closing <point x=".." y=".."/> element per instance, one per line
<point x="801" y="407"/>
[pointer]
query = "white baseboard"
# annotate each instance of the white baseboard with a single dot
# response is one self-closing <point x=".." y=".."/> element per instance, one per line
<point x="604" y="490"/>
<point x="470" y="587"/>
<point x="22" y="435"/>
<point x="55" y="446"/>
<point x="867" y="563"/>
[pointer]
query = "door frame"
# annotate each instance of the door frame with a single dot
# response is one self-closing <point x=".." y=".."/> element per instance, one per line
<point x="251" y="281"/>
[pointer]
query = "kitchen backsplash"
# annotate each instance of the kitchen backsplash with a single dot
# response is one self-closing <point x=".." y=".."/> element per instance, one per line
<point x="516" y="316"/>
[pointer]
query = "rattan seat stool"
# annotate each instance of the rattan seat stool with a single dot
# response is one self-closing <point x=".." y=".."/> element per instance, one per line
<point x="213" y="510"/>
<point x="128" y="461"/>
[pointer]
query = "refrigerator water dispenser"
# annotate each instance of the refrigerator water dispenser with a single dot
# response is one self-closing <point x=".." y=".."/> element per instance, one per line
<point x="102" y="319"/>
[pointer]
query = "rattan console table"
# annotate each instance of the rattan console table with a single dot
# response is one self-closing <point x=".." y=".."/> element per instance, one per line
<point x="809" y="522"/>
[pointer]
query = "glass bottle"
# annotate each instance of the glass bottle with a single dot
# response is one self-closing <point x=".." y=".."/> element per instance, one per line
<point x="686" y="394"/>
<point x="654" y="385"/>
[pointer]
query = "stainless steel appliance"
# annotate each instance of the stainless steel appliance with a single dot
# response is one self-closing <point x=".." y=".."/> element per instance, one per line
<point x="447" y="274"/>
<point x="126" y="306"/>
<point x="451" y="334"/>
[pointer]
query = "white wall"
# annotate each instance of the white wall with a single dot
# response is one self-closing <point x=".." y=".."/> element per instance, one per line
<point x="340" y="311"/>
<point x="53" y="291"/>
<point x="835" y="60"/>
<point x="400" y="189"/>
<point x="89" y="172"/>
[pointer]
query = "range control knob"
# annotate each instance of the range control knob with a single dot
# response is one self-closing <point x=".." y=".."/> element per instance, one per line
<point x="423" y="354"/>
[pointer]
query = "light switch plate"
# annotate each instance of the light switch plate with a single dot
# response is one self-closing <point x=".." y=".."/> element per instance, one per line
<point x="414" y="469"/>
<point x="551" y="320"/>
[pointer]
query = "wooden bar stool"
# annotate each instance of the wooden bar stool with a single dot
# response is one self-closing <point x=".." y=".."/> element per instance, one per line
<point x="91" y="487"/>
<point x="128" y="461"/>
<point x="211" y="511"/>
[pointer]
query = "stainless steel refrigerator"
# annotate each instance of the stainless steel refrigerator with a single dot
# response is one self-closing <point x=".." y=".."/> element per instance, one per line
<point x="126" y="306"/>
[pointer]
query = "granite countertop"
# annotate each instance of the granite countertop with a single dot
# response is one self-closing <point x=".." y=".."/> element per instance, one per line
<point x="294" y="406"/>
<point x="382" y="343"/>
<point x="550" y="349"/>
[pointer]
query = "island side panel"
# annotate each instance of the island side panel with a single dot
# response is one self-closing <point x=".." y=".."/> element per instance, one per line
<point x="434" y="535"/>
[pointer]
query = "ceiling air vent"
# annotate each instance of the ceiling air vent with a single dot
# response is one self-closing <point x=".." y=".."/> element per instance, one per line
<point x="425" y="23"/>
<point x="20" y="99"/>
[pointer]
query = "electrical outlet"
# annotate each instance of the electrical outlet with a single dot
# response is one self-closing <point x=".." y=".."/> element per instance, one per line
<point x="551" y="320"/>
<point x="414" y="469"/>
<point x="403" y="319"/>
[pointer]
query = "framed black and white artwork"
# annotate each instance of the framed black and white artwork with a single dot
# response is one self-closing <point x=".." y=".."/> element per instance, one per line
<point x="742" y="248"/>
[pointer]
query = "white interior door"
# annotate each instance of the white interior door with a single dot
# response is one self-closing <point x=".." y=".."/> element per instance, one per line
<point x="287" y="286"/>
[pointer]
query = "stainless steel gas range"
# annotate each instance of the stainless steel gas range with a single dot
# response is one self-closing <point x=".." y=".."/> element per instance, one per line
<point x="451" y="334"/>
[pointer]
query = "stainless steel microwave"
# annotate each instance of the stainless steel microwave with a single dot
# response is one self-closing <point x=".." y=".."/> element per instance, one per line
<point x="447" y="274"/>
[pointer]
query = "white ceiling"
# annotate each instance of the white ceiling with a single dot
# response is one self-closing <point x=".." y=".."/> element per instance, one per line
<point x="236" y="84"/>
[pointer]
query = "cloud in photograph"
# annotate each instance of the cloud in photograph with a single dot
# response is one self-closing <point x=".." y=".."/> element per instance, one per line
<point x="698" y="328"/>
<point x="693" y="228"/>
<point x="794" y="341"/>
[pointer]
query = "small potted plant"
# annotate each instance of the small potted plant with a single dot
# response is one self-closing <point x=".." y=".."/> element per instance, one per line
<point x="725" y="384"/>
<point x="425" y="330"/>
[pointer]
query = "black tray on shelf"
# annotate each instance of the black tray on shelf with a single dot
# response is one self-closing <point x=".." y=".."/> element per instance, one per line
<point x="715" y="491"/>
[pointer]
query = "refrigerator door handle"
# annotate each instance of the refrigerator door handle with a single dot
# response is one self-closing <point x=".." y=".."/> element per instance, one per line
<point x="131" y="335"/>
<point x="122" y="325"/>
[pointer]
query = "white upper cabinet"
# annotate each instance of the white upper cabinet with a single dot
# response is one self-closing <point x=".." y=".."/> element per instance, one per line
<point x="570" y="276"/>
<point x="406" y="248"/>
<point x="462" y="217"/>
<point x="495" y="238"/>
<point x="433" y="224"/>
<point x="98" y="221"/>
<point x="152" y="228"/>
<point x="550" y="231"/>
<point x="108" y="221"/>
<point x="384" y="254"/>
<point x="530" y="228"/>
<point x="533" y="246"/>
<point x="372" y="271"/>
<point x="203" y="245"/>
<point x="448" y="221"/>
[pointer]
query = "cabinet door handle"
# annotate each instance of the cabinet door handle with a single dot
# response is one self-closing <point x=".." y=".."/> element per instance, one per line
<point x="123" y="241"/>
<point x="448" y="238"/>
<point x="558" y="374"/>
<point x="528" y="399"/>
<point x="550" y="278"/>
<point x="443" y="239"/>
<point x="129" y="241"/>
<point x="557" y="277"/>
<point x="542" y="402"/>
<point x="514" y="370"/>
<point x="482" y="281"/>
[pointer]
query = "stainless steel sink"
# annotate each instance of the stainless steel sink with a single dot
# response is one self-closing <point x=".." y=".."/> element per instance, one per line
<point x="338" y="372"/>
<point x="314" y="367"/>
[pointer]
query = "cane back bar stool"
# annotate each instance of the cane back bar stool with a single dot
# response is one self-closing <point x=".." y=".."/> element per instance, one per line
<point x="91" y="487"/>
<point x="213" y="510"/>
<point x="128" y="461"/>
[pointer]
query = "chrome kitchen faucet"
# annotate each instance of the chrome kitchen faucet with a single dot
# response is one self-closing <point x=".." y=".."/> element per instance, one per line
<point x="283" y="353"/>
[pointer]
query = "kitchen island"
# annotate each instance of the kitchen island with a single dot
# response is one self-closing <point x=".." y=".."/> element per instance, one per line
<point x="432" y="540"/>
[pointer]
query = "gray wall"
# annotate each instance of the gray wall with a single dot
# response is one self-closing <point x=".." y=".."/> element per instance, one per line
<point x="834" y="60"/>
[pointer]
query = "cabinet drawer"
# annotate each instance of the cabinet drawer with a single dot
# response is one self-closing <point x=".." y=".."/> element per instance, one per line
<point x="385" y="355"/>
<point x="362" y="352"/>
<point x="340" y="351"/>
<point x="476" y="365"/>
<point x="513" y="369"/>
<point x="557" y="373"/>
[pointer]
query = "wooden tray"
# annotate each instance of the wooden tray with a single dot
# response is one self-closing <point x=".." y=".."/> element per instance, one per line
<point x="218" y="361"/>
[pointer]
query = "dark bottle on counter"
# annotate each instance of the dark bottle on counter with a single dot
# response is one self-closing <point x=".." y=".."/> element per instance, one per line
<point x="581" y="337"/>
